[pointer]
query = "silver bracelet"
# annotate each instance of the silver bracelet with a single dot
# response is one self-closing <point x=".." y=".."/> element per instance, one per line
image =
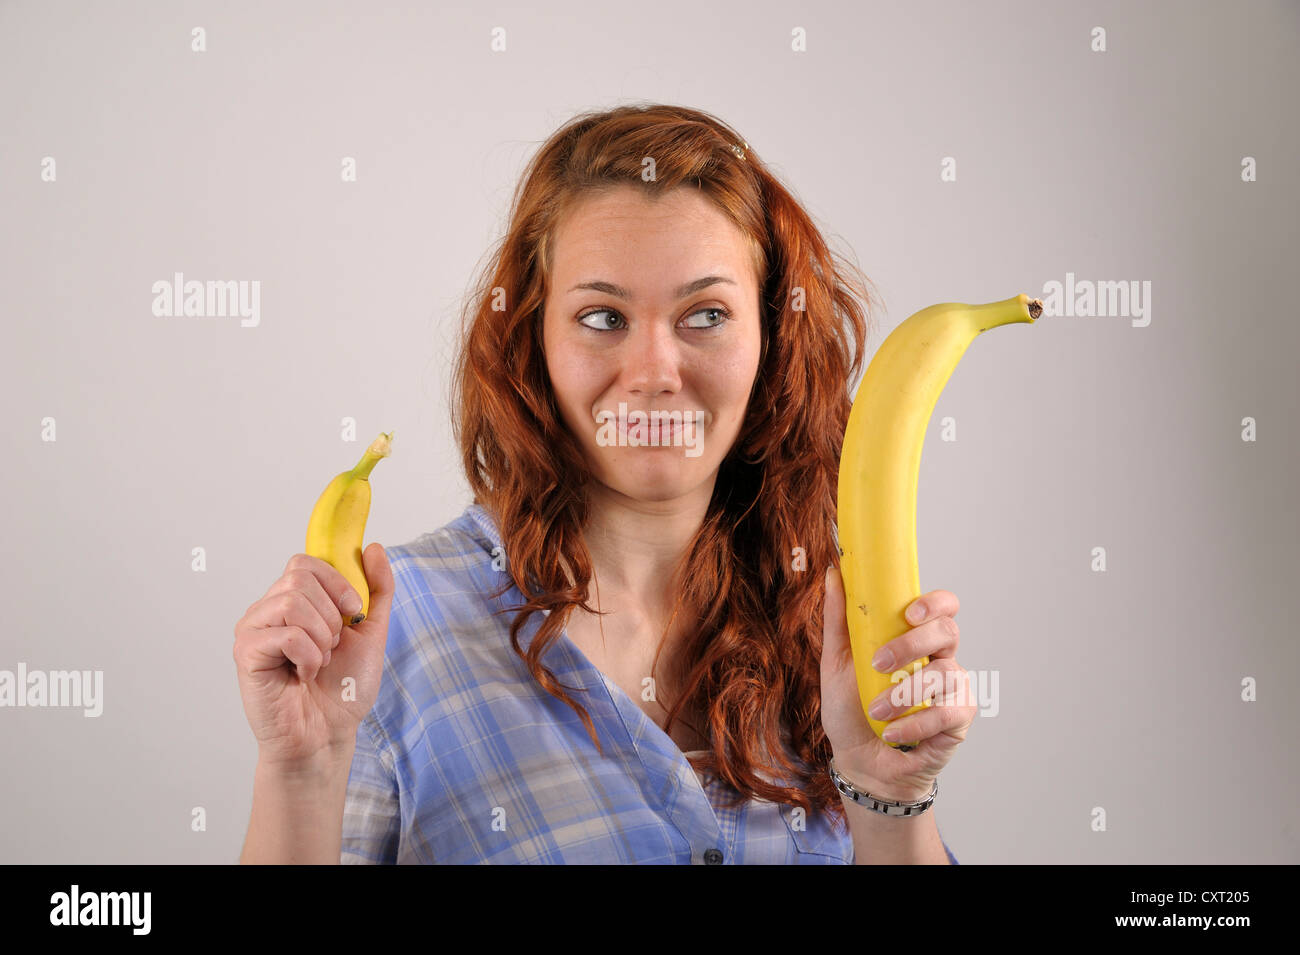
<point x="887" y="807"/>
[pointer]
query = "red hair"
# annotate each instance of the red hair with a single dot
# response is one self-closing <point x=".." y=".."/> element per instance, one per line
<point x="753" y="662"/>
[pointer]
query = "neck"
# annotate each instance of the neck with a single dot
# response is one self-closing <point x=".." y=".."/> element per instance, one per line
<point x="636" y="547"/>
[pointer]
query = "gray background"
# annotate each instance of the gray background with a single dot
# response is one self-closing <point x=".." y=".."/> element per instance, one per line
<point x="1119" y="690"/>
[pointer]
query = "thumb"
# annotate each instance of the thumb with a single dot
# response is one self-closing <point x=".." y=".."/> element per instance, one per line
<point x="379" y="575"/>
<point x="835" y="624"/>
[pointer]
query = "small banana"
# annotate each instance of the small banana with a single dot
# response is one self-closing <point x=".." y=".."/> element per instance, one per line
<point x="880" y="463"/>
<point x="338" y="521"/>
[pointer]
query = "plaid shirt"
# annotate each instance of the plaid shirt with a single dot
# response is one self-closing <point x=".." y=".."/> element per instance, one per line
<point x="466" y="759"/>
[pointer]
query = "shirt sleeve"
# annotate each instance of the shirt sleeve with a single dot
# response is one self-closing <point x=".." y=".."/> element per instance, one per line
<point x="372" y="812"/>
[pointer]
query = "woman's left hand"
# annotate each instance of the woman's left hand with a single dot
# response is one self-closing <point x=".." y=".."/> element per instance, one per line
<point x="863" y="758"/>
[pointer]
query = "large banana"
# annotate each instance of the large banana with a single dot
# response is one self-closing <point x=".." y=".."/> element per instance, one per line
<point x="880" y="463"/>
<point x="338" y="521"/>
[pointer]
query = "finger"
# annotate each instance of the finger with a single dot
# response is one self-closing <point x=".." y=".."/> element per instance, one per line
<point x="931" y="721"/>
<point x="835" y="627"/>
<point x="334" y="584"/>
<point x="937" y="603"/>
<point x="268" y="648"/>
<point x="379" y="576"/>
<point x="940" y="682"/>
<point x="305" y="581"/>
<point x="291" y="608"/>
<point x="937" y="638"/>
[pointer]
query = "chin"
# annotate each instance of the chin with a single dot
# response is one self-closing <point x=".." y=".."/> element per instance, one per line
<point x="655" y="483"/>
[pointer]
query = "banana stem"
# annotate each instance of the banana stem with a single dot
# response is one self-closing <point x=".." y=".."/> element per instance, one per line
<point x="379" y="449"/>
<point x="1018" y="308"/>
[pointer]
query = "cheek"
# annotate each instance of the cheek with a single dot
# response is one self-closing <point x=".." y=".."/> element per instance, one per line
<point x="577" y="379"/>
<point x="730" y="381"/>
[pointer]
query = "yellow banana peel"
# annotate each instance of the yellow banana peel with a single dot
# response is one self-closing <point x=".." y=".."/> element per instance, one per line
<point x="338" y="521"/>
<point x="880" y="463"/>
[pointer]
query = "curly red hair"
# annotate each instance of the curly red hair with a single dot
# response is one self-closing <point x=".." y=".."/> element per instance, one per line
<point x="753" y="662"/>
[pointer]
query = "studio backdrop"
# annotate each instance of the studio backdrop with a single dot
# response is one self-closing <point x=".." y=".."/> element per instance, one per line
<point x="1110" y="491"/>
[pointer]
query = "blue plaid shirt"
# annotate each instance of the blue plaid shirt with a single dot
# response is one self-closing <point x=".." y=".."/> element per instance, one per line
<point x="466" y="759"/>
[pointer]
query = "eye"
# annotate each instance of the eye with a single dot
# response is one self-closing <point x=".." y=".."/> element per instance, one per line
<point x="604" y="324"/>
<point x="600" y="325"/>
<point x="723" y="315"/>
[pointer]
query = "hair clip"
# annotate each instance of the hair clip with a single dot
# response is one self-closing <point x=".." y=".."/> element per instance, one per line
<point x="740" y="150"/>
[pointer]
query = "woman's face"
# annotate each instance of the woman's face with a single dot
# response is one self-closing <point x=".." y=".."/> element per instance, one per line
<point x="653" y="336"/>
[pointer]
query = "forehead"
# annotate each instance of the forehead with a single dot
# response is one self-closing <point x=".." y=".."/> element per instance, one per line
<point x="622" y="226"/>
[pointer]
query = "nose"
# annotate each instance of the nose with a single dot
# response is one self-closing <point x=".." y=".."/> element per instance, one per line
<point x="652" y="362"/>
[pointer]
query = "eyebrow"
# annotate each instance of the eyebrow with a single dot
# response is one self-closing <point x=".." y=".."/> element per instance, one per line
<point x="690" y="288"/>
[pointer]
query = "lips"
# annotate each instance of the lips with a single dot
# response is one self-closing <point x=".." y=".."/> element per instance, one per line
<point x="654" y="428"/>
<point x="668" y="428"/>
<point x="644" y="431"/>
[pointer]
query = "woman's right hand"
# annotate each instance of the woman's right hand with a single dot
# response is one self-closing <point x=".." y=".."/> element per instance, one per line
<point x="293" y="653"/>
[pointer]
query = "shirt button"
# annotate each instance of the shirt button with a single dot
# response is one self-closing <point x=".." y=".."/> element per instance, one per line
<point x="712" y="857"/>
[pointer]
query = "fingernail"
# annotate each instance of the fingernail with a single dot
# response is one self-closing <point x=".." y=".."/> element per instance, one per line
<point x="916" y="613"/>
<point x="878" y="710"/>
<point x="350" y="603"/>
<point x="883" y="660"/>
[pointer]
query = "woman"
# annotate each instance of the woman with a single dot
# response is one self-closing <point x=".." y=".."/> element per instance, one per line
<point x="632" y="646"/>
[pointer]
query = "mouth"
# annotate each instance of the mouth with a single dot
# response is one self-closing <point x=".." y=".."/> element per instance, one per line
<point x="643" y="432"/>
<point x="660" y="427"/>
